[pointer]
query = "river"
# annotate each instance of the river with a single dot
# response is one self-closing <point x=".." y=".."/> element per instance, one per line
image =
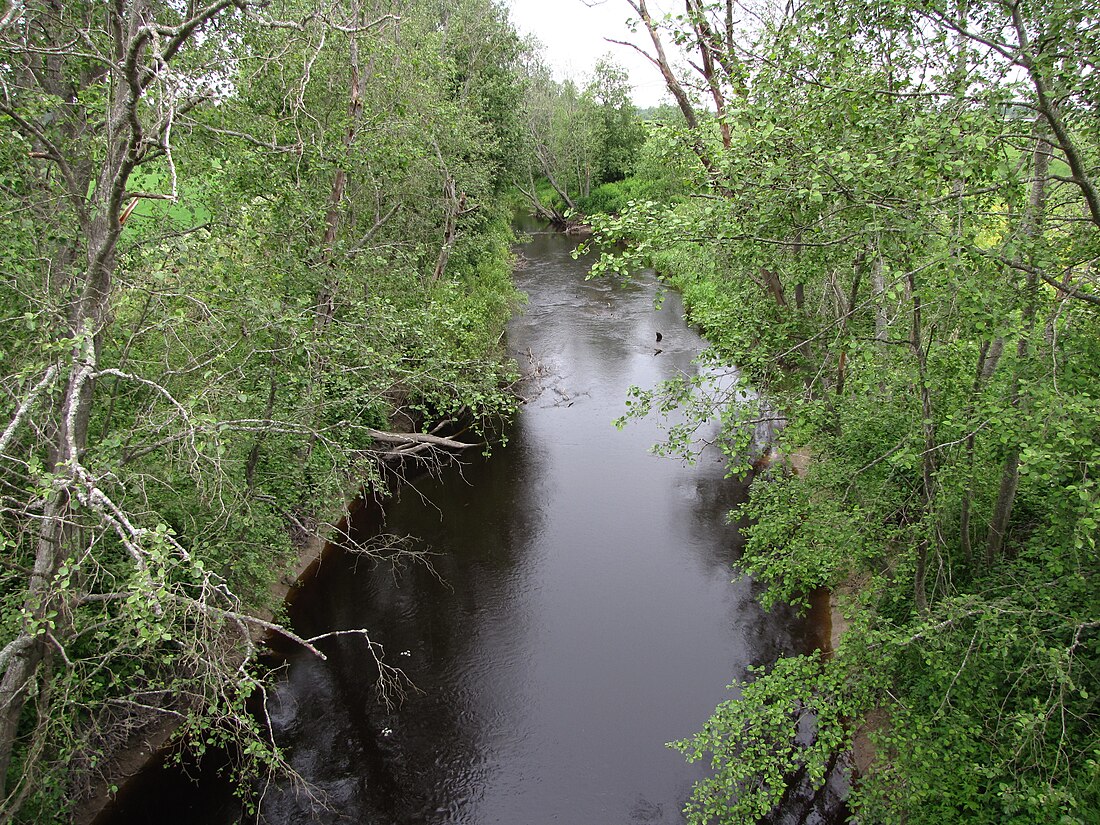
<point x="579" y="611"/>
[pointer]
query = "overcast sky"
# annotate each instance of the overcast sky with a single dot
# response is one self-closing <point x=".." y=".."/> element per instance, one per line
<point x="573" y="33"/>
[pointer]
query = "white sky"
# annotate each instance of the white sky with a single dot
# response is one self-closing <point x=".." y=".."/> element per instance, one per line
<point x="572" y="34"/>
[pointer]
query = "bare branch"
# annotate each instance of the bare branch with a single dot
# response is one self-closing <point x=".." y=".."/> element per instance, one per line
<point x="13" y="13"/>
<point x="52" y="151"/>
<point x="26" y="406"/>
<point x="418" y="438"/>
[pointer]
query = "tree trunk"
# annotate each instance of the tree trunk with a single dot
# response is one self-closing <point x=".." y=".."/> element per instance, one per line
<point x="261" y="436"/>
<point x="968" y="493"/>
<point x="454" y="205"/>
<point x="541" y="210"/>
<point x="1010" y="473"/>
<point x="55" y="539"/>
<point x="561" y="190"/>
<point x="708" y="45"/>
<point x="928" y="458"/>
<point x="326" y="295"/>
<point x="848" y="310"/>
<point x="878" y="289"/>
<point x="774" y="286"/>
<point x="675" y="88"/>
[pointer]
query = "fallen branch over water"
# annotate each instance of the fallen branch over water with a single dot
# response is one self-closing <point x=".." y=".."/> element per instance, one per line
<point x="417" y="439"/>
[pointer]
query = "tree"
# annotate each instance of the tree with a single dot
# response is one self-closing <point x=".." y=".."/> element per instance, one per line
<point x="578" y="138"/>
<point x="122" y="93"/>
<point x="561" y="130"/>
<point x="245" y="243"/>
<point x="620" y="132"/>
<point x="894" y="243"/>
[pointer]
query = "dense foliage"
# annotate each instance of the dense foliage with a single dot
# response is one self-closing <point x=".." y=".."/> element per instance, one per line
<point x="581" y="142"/>
<point x="892" y="229"/>
<point x="250" y="250"/>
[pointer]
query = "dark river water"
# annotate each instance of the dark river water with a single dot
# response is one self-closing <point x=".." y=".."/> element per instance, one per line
<point x="578" y="615"/>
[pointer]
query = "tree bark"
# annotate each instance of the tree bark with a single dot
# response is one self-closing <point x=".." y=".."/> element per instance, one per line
<point x="708" y="47"/>
<point x="1010" y="472"/>
<point x="848" y="309"/>
<point x="454" y="205"/>
<point x="542" y="211"/>
<point x="968" y="494"/>
<point x="548" y="171"/>
<point x="675" y="87"/>
<point x="928" y="458"/>
<point x="326" y="295"/>
<point x="878" y="289"/>
<point x="1031" y="60"/>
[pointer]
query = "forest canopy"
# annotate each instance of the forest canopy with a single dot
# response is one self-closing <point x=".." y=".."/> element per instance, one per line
<point x="252" y="251"/>
<point x="888" y="224"/>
